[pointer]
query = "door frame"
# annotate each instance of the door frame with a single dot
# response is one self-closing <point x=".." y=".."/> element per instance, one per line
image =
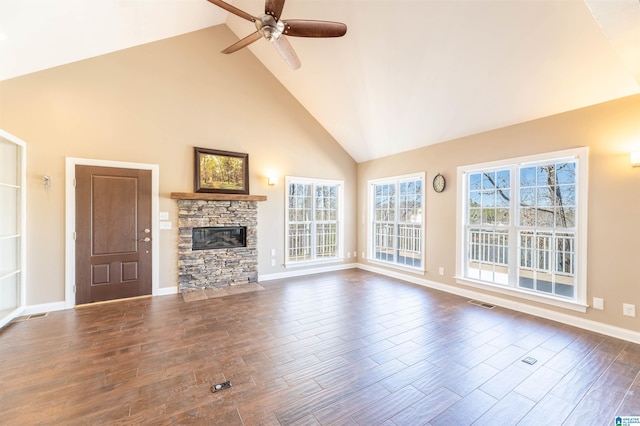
<point x="70" y="225"/>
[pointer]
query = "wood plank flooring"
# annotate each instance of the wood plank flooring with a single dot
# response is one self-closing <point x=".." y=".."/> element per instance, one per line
<point x="342" y="348"/>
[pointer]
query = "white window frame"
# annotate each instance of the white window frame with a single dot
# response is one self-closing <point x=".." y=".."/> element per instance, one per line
<point x="371" y="244"/>
<point x="581" y="157"/>
<point x="340" y="220"/>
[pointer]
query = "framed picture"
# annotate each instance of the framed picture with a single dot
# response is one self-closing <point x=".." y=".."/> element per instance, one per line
<point x="221" y="171"/>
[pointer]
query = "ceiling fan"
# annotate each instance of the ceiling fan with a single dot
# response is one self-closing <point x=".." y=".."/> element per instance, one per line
<point x="271" y="27"/>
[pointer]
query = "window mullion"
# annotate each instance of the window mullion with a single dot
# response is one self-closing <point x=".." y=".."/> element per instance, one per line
<point x="312" y="221"/>
<point x="514" y="234"/>
<point x="396" y="224"/>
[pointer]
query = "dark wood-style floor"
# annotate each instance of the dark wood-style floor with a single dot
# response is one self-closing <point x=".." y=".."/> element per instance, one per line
<point x="347" y="348"/>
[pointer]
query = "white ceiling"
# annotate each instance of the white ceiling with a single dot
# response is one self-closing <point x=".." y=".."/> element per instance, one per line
<point x="406" y="75"/>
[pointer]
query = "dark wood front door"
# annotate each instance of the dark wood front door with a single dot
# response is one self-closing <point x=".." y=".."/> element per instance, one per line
<point x="113" y="233"/>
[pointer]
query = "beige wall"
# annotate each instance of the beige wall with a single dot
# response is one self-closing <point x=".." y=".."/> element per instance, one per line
<point x="153" y="104"/>
<point x="610" y="130"/>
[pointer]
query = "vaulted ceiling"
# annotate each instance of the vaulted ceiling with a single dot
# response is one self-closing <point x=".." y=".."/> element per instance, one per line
<point x="407" y="74"/>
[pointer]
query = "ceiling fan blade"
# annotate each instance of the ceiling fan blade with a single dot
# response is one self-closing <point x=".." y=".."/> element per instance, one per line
<point x="304" y="28"/>
<point x="226" y="6"/>
<point x="285" y="50"/>
<point x="274" y="8"/>
<point x="243" y="43"/>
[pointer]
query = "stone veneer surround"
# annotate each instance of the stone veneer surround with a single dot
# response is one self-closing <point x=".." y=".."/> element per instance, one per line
<point x="200" y="269"/>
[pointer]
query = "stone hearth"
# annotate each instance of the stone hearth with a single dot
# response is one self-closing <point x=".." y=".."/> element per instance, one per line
<point x="216" y="268"/>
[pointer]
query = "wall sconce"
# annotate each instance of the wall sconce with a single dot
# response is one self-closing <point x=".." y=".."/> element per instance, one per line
<point x="272" y="180"/>
<point x="635" y="159"/>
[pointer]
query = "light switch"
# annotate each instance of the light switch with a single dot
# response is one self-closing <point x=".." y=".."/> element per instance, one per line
<point x="163" y="216"/>
<point x="164" y="225"/>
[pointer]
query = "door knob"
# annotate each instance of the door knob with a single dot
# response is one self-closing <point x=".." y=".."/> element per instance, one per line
<point x="145" y="239"/>
<point x="147" y="230"/>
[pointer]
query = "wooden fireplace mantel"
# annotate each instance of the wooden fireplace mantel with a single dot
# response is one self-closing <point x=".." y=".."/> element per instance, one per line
<point x="216" y="197"/>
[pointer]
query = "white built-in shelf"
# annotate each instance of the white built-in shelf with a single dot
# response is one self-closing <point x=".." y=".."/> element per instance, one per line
<point x="7" y="273"/>
<point x="9" y="185"/>
<point x="8" y="237"/>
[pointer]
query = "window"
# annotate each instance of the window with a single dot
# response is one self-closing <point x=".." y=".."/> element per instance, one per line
<point x="314" y="220"/>
<point x="396" y="229"/>
<point x="523" y="225"/>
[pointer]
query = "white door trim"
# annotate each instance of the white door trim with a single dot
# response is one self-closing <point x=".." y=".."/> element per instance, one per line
<point x="70" y="226"/>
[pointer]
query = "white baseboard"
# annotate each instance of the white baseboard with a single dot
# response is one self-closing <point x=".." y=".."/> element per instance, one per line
<point x="44" y="307"/>
<point x="164" y="291"/>
<point x="59" y="306"/>
<point x="301" y="272"/>
<point x="586" y="324"/>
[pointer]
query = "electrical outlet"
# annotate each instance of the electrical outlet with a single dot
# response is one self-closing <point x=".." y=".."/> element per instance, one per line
<point x="363" y="256"/>
<point x="441" y="270"/>
<point x="629" y="309"/>
<point x="273" y="252"/>
<point x="598" y="303"/>
<point x="348" y="254"/>
<point x="355" y="253"/>
<point x="273" y="262"/>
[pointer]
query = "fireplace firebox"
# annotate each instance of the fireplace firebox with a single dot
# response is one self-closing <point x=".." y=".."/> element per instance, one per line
<point x="219" y="237"/>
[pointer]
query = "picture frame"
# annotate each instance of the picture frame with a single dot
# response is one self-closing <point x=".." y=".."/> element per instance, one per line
<point x="224" y="172"/>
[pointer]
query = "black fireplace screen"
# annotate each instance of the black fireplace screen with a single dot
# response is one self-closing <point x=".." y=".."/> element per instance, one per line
<point x="218" y="237"/>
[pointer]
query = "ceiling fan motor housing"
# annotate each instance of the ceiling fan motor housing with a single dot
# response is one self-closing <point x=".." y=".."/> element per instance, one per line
<point x="269" y="27"/>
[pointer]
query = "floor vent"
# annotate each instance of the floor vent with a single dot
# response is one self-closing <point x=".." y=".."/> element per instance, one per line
<point x="32" y="316"/>
<point x="481" y="304"/>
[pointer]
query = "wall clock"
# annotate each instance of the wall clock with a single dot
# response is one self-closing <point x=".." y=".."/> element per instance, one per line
<point x="438" y="183"/>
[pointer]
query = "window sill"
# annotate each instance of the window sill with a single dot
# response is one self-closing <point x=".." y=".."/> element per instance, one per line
<point x="548" y="300"/>
<point x="305" y="263"/>
<point x="397" y="266"/>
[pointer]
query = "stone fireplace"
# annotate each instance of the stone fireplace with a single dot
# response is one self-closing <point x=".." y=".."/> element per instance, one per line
<point x="227" y="253"/>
